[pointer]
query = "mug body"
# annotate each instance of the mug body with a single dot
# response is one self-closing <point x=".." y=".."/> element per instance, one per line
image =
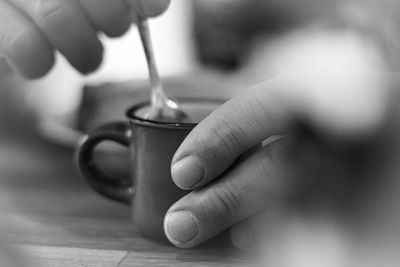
<point x="150" y="189"/>
<point x="153" y="147"/>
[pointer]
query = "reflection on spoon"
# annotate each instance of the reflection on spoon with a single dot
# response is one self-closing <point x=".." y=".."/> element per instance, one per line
<point x="162" y="108"/>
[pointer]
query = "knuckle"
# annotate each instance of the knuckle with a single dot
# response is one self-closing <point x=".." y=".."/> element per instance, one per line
<point x="47" y="9"/>
<point x="268" y="155"/>
<point x="258" y="113"/>
<point x="227" y="201"/>
<point x="229" y="136"/>
<point x="278" y="151"/>
<point x="9" y="39"/>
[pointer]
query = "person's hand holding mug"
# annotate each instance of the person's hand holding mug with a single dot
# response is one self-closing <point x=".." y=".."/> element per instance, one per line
<point x="31" y="30"/>
<point x="339" y="87"/>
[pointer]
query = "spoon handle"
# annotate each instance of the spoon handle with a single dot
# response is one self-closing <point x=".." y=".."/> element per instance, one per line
<point x="158" y="96"/>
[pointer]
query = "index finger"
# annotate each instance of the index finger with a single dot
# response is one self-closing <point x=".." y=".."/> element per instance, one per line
<point x="234" y="128"/>
<point x="338" y="85"/>
<point x="355" y="107"/>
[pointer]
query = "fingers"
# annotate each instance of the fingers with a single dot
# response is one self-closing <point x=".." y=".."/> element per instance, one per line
<point x="149" y="8"/>
<point x="233" y="129"/>
<point x="30" y="31"/>
<point x="22" y="44"/>
<point x="206" y="212"/>
<point x="342" y="94"/>
<point x="111" y="17"/>
<point x="357" y="111"/>
<point x="68" y="30"/>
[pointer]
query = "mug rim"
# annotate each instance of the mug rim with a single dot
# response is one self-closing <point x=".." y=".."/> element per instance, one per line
<point x="172" y="125"/>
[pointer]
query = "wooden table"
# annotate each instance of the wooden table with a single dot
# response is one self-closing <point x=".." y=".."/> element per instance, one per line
<point x="52" y="218"/>
<point x="47" y="208"/>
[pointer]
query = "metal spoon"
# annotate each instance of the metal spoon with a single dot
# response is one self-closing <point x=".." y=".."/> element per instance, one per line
<point x="162" y="108"/>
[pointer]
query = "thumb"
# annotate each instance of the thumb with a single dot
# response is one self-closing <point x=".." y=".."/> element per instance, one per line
<point x="148" y="8"/>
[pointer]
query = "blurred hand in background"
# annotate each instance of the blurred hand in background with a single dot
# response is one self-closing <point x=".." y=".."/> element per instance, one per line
<point x="32" y="30"/>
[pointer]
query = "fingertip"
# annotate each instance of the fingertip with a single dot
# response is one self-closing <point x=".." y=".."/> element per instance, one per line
<point x="181" y="228"/>
<point x="120" y="28"/>
<point x="89" y="60"/>
<point x="149" y="8"/>
<point x="111" y="17"/>
<point x="69" y="30"/>
<point x="188" y="172"/>
<point x="156" y="7"/>
<point x="22" y="45"/>
<point x="35" y="72"/>
<point x="30" y="56"/>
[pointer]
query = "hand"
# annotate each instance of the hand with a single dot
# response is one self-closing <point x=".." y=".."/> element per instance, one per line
<point x="343" y="96"/>
<point x="31" y="30"/>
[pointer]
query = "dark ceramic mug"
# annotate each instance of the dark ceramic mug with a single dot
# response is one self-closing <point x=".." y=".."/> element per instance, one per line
<point x="150" y="189"/>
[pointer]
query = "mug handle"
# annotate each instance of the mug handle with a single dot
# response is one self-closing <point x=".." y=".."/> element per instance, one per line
<point x="116" y="189"/>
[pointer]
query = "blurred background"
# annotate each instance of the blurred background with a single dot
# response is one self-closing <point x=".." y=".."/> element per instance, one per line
<point x="203" y="47"/>
<point x="197" y="43"/>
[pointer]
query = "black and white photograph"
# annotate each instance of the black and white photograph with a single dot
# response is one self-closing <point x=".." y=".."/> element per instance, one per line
<point x="254" y="133"/>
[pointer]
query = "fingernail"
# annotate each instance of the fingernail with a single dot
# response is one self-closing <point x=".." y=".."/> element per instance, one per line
<point x="181" y="227"/>
<point x="187" y="172"/>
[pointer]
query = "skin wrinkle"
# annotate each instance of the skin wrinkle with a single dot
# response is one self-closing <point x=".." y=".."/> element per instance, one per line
<point x="92" y="23"/>
<point x="208" y="151"/>
<point x="254" y="106"/>
<point x="45" y="9"/>
<point x="230" y="135"/>
<point x="227" y="201"/>
<point x="20" y="38"/>
<point x="230" y="202"/>
<point x="11" y="38"/>
<point x="9" y="32"/>
<point x="262" y="177"/>
<point x="281" y="109"/>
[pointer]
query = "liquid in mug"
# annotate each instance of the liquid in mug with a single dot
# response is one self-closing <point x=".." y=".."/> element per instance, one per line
<point x="196" y="111"/>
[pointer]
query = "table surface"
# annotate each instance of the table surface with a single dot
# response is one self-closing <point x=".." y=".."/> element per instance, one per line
<point x="52" y="217"/>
